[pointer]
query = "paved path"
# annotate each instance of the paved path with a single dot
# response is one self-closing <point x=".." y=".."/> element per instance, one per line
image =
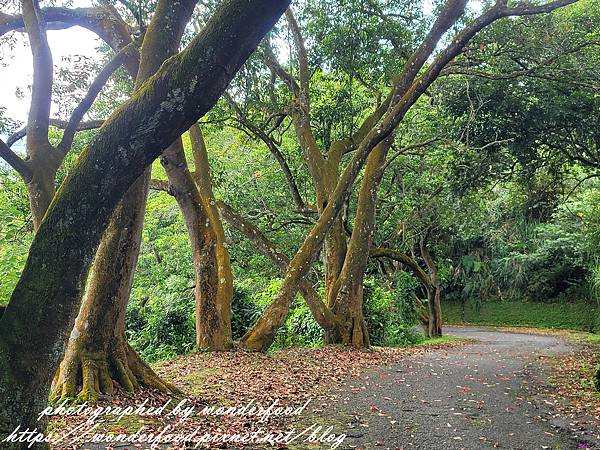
<point x="476" y="396"/>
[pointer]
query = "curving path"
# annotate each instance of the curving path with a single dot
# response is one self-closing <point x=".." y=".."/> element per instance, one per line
<point x="480" y="395"/>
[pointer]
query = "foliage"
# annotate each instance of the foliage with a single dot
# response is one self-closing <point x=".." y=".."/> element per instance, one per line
<point x="390" y="313"/>
<point x="15" y="236"/>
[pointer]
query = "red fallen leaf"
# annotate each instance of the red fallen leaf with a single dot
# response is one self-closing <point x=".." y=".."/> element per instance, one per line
<point x="379" y="443"/>
<point x="373" y="408"/>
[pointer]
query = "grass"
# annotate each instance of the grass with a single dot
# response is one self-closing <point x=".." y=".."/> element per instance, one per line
<point x="593" y="338"/>
<point x="442" y="340"/>
<point x="566" y="316"/>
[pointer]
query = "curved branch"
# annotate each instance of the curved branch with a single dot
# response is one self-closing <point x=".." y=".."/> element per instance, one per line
<point x="396" y="255"/>
<point x="271" y="61"/>
<point x="58" y="123"/>
<point x="16" y="162"/>
<point x="96" y="86"/>
<point x="322" y="314"/>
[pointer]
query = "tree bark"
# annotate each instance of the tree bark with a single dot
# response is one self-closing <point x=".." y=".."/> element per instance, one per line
<point x="92" y="354"/>
<point x="40" y="187"/>
<point x="47" y="297"/>
<point x="348" y="304"/>
<point x="212" y="267"/>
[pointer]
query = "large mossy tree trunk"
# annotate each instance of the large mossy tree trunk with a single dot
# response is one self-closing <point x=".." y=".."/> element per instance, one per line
<point x="47" y="297"/>
<point x="97" y="352"/>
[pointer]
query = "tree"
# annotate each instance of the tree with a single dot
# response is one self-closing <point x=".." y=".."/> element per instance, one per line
<point x="376" y="135"/>
<point x="45" y="301"/>
<point x="214" y="281"/>
<point x="97" y="352"/>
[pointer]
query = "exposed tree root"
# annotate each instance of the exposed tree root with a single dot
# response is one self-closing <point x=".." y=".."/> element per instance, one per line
<point x="87" y="375"/>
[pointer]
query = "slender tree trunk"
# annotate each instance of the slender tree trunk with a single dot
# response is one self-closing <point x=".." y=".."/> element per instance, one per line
<point x="217" y="258"/>
<point x="212" y="267"/>
<point x="348" y="305"/>
<point x="433" y="293"/>
<point x="425" y="279"/>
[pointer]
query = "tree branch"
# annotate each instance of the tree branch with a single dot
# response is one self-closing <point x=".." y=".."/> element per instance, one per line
<point x="407" y="148"/>
<point x="58" y="123"/>
<point x="16" y="162"/>
<point x="304" y="94"/>
<point x="271" y="61"/>
<point x="274" y="149"/>
<point x="161" y="185"/>
<point x="95" y="87"/>
<point x="41" y="97"/>
<point x="396" y="255"/>
<point x="321" y="313"/>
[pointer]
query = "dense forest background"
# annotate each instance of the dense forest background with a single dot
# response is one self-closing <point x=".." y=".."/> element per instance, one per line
<point x="495" y="172"/>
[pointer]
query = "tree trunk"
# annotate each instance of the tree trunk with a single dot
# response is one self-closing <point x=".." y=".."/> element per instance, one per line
<point x="212" y="267"/>
<point x="217" y="258"/>
<point x="40" y="191"/>
<point x="348" y="305"/>
<point x="431" y="290"/>
<point x="97" y="351"/>
<point x="434" y="292"/>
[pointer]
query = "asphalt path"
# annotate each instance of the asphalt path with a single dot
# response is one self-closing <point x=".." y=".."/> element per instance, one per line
<point x="485" y="394"/>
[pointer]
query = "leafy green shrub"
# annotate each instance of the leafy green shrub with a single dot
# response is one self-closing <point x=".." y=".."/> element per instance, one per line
<point x="161" y="324"/>
<point x="15" y="231"/>
<point x="390" y="313"/>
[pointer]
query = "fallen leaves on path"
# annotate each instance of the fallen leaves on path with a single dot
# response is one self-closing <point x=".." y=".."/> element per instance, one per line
<point x="291" y="377"/>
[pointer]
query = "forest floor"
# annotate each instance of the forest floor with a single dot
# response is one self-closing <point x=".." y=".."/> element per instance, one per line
<point x="488" y="389"/>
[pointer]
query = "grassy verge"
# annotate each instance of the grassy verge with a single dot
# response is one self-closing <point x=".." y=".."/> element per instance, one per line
<point x="570" y="316"/>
